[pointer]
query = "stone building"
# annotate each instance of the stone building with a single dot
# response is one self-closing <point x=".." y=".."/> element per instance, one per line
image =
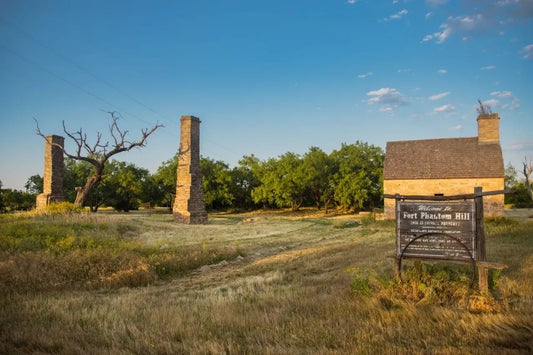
<point x="54" y="169"/>
<point x="448" y="166"/>
<point x="189" y="205"/>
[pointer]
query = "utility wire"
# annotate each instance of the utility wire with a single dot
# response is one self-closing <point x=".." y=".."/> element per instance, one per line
<point x="28" y="35"/>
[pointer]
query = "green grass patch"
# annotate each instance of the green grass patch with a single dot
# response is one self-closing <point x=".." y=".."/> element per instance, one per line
<point x="44" y="253"/>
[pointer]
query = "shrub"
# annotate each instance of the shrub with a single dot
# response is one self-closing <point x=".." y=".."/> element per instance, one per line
<point x="422" y="283"/>
<point x="59" y="208"/>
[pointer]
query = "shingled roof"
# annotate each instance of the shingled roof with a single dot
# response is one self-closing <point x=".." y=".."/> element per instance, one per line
<point x="448" y="158"/>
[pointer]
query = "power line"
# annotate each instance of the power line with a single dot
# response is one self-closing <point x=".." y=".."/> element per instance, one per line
<point x="57" y="53"/>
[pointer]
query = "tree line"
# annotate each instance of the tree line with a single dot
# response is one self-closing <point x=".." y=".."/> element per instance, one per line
<point x="350" y="177"/>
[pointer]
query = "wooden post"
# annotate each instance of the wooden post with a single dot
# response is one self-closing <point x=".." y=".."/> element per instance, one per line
<point x="481" y="256"/>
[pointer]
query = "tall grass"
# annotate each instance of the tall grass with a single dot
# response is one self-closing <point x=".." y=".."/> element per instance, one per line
<point x="291" y="294"/>
<point x="43" y="253"/>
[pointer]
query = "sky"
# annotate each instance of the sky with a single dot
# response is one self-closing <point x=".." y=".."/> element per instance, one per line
<point x="264" y="77"/>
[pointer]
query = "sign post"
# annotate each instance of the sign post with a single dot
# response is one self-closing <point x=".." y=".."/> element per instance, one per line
<point x="444" y="228"/>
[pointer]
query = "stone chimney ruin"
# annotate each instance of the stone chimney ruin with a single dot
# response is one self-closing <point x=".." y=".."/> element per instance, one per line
<point x="189" y="205"/>
<point x="54" y="169"/>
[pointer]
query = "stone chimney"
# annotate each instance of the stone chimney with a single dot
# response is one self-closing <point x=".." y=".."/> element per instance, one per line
<point x="189" y="205"/>
<point x="54" y="169"/>
<point x="488" y="128"/>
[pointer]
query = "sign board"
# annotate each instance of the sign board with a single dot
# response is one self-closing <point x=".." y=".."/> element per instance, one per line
<point x="436" y="230"/>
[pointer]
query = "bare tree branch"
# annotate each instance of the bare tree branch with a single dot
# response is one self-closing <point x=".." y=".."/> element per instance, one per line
<point x="97" y="154"/>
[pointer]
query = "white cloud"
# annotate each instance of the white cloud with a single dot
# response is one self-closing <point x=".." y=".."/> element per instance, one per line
<point x="439" y="96"/>
<point x="515" y="104"/>
<point x="397" y="15"/>
<point x="488" y="67"/>
<point x="502" y="94"/>
<point x="362" y="76"/>
<point x="456" y="128"/>
<point x="436" y="2"/>
<point x="491" y="103"/>
<point x="388" y="98"/>
<point x="352" y="1"/>
<point x="442" y="71"/>
<point x="506" y="95"/>
<point x="443" y="36"/>
<point x="483" y="17"/>
<point x="428" y="15"/>
<point x="444" y="109"/>
<point x="520" y="146"/>
<point x="528" y="51"/>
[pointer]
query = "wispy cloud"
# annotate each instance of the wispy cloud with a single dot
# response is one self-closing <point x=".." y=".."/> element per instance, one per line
<point x="397" y="15"/>
<point x="436" y="2"/>
<point x="387" y="98"/>
<point x="488" y="67"/>
<point x="444" y="109"/>
<point x="502" y="94"/>
<point x="488" y="17"/>
<point x="505" y="95"/>
<point x="440" y="36"/>
<point x="366" y="75"/>
<point x="351" y="1"/>
<point x="491" y="103"/>
<point x="439" y="96"/>
<point x="456" y="128"/>
<point x="519" y="146"/>
<point x="442" y="71"/>
<point x="528" y="51"/>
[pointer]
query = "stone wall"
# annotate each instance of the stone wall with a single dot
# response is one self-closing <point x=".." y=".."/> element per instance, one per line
<point x="189" y="205"/>
<point x="54" y="170"/>
<point x="492" y="205"/>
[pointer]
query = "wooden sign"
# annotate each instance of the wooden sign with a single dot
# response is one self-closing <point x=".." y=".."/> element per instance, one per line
<point x="436" y="230"/>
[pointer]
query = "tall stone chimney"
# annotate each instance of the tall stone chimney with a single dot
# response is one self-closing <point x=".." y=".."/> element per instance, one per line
<point x="54" y="169"/>
<point x="189" y="205"/>
<point x="488" y="128"/>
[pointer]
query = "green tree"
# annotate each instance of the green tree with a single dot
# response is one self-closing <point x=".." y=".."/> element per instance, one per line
<point x="244" y="181"/>
<point x="319" y="171"/>
<point x="266" y="172"/>
<point x="359" y="179"/>
<point x="34" y="184"/>
<point x="216" y="181"/>
<point x="165" y="180"/>
<point x="281" y="182"/>
<point x="2" y="205"/>
<point x="124" y="183"/>
<point x="15" y="200"/>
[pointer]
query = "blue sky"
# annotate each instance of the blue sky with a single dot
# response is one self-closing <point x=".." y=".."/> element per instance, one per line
<point x="265" y="77"/>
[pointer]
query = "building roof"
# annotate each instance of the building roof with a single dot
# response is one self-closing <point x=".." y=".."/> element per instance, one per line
<point x="448" y="158"/>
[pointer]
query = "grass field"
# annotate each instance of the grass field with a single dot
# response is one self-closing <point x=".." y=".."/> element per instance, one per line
<point x="265" y="283"/>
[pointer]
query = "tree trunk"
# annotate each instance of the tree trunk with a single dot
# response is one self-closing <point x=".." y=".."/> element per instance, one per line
<point x="82" y="192"/>
<point x="528" y="187"/>
<point x="528" y="169"/>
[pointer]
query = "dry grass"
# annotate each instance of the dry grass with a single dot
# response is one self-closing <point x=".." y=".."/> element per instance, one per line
<point x="290" y="294"/>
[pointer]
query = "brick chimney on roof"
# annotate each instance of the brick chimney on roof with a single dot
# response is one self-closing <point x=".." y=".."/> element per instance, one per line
<point x="488" y="128"/>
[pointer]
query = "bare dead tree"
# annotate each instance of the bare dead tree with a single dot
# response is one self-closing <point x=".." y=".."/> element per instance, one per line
<point x="98" y="154"/>
<point x="527" y="170"/>
<point x="483" y="109"/>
